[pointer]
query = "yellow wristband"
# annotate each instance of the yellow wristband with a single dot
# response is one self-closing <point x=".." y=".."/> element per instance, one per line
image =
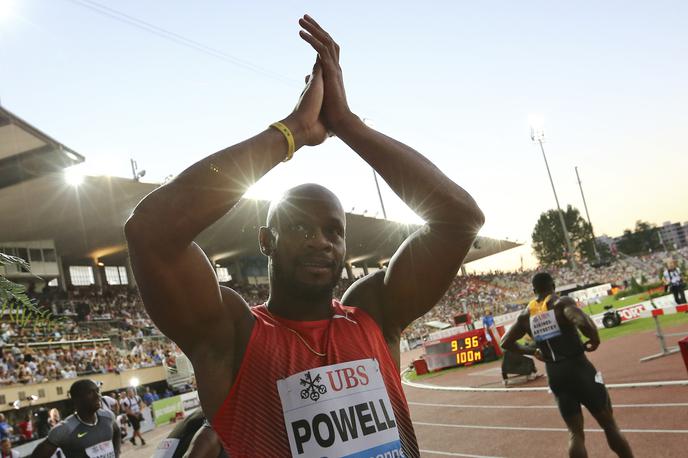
<point x="289" y="136"/>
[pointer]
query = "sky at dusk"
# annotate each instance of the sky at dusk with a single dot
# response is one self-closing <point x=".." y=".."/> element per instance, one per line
<point x="167" y="82"/>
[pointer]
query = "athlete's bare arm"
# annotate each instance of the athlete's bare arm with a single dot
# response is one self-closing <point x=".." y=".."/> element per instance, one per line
<point x="176" y="280"/>
<point x="515" y="333"/>
<point x="205" y="444"/>
<point x="44" y="450"/>
<point x="422" y="269"/>
<point x="582" y="321"/>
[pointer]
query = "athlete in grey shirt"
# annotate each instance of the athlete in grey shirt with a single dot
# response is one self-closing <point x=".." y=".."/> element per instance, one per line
<point x="91" y="432"/>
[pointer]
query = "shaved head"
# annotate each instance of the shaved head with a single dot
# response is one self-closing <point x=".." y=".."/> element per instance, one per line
<point x="296" y="199"/>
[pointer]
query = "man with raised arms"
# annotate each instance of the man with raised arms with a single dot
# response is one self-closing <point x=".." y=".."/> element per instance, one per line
<point x="302" y="374"/>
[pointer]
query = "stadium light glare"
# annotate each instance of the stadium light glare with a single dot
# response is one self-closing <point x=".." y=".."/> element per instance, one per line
<point x="74" y="177"/>
<point x="134" y="382"/>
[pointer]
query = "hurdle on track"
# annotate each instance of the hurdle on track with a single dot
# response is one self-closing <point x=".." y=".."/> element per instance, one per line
<point x="661" y="335"/>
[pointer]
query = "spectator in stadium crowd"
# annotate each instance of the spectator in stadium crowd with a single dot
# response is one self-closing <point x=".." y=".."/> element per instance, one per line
<point x="300" y="327"/>
<point x="673" y="279"/>
<point x="41" y="422"/>
<point x="554" y="323"/>
<point x="133" y="405"/>
<point x="110" y="403"/>
<point x="26" y="428"/>
<point x="54" y="417"/>
<point x="6" y="449"/>
<point x="89" y="432"/>
<point x="148" y="397"/>
<point x="5" y="428"/>
<point x="488" y="325"/>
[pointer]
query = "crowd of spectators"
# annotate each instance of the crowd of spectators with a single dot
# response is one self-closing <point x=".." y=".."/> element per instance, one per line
<point x="37" y="365"/>
<point x="90" y="332"/>
<point x="503" y="292"/>
<point x="72" y="344"/>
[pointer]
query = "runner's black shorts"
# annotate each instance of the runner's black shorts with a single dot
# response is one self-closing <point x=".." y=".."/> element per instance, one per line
<point x="135" y="421"/>
<point x="573" y="382"/>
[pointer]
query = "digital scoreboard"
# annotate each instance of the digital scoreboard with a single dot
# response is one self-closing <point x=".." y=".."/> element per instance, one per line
<point x="462" y="349"/>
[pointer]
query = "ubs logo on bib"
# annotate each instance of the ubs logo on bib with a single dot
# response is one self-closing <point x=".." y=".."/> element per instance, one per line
<point x="348" y="378"/>
<point x="312" y="389"/>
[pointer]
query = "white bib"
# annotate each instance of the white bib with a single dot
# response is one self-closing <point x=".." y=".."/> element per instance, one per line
<point x="166" y="448"/>
<point x="103" y="450"/>
<point x="341" y="410"/>
<point x="544" y="326"/>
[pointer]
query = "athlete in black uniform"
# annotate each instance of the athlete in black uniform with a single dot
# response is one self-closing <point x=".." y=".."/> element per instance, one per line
<point x="553" y="323"/>
<point x="192" y="438"/>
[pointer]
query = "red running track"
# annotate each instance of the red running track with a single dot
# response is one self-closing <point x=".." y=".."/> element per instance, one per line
<point x="527" y="424"/>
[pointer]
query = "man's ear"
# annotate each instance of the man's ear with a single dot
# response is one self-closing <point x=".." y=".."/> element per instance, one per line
<point x="266" y="240"/>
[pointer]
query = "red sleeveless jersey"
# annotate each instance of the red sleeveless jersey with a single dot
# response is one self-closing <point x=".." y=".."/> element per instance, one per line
<point x="288" y="401"/>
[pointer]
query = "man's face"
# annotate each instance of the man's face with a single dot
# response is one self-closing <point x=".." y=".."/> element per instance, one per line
<point x="6" y="446"/>
<point x="89" y="399"/>
<point x="308" y="246"/>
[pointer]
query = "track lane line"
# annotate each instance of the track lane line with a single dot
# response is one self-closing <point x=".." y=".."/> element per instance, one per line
<point x="436" y="452"/>
<point x="469" y="389"/>
<point x="557" y="430"/>
<point x="478" y="406"/>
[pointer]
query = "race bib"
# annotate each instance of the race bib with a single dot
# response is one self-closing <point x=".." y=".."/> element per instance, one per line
<point x="166" y="448"/>
<point x="341" y="410"/>
<point x="103" y="450"/>
<point x="544" y="326"/>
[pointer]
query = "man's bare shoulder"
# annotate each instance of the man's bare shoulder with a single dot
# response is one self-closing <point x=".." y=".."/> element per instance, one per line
<point x="235" y="305"/>
<point x="228" y="330"/>
<point x="364" y="293"/>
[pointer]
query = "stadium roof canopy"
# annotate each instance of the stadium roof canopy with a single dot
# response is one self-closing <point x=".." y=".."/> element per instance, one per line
<point x="26" y="152"/>
<point x="86" y="222"/>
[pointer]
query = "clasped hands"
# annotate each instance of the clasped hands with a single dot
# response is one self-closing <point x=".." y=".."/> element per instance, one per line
<point x="322" y="109"/>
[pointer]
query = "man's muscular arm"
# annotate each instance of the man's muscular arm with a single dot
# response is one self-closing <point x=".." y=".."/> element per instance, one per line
<point x="423" y="267"/>
<point x="514" y="334"/>
<point x="176" y="280"/>
<point x="44" y="450"/>
<point x="582" y="321"/>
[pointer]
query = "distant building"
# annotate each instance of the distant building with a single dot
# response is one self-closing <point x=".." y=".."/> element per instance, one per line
<point x="674" y="235"/>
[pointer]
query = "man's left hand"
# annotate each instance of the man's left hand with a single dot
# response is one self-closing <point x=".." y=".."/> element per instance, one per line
<point x="591" y="345"/>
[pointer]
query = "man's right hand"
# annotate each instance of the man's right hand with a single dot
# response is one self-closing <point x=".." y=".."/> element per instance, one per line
<point x="305" y="122"/>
